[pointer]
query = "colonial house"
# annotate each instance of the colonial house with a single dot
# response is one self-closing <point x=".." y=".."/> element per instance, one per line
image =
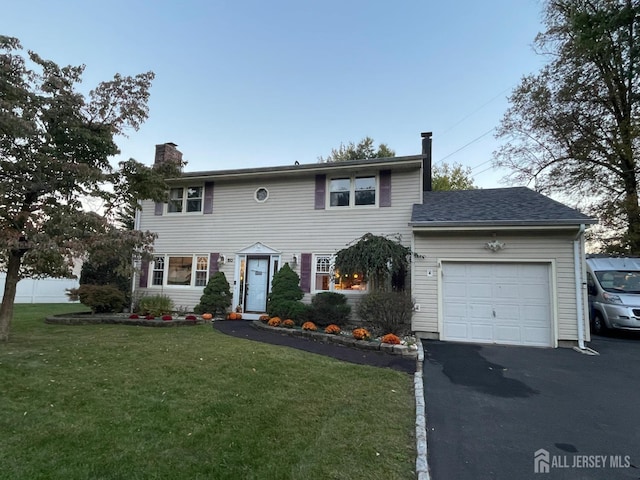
<point x="495" y="266"/>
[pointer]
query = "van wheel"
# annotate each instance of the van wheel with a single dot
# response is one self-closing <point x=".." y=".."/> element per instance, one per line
<point x="597" y="325"/>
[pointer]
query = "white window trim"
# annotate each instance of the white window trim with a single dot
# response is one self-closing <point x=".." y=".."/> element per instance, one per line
<point x="185" y="199"/>
<point x="314" y="263"/>
<point x="194" y="266"/>
<point x="352" y="191"/>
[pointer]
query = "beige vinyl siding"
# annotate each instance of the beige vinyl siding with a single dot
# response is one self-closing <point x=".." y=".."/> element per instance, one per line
<point x="287" y="222"/>
<point x="549" y="247"/>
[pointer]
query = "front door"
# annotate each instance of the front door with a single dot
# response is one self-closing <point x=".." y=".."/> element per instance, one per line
<point x="257" y="284"/>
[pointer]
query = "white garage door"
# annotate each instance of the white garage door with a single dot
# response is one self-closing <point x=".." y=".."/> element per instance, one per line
<point x="505" y="303"/>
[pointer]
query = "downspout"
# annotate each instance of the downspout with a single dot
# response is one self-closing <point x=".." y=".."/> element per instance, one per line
<point x="577" y="263"/>
<point x="136" y="226"/>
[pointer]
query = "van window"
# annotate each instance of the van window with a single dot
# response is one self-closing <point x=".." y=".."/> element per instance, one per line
<point x="619" y="281"/>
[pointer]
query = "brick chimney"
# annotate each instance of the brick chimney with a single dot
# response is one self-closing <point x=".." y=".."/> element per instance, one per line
<point x="426" y="161"/>
<point x="167" y="152"/>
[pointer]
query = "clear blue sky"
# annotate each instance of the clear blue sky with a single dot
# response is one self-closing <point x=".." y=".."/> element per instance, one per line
<point x="259" y="83"/>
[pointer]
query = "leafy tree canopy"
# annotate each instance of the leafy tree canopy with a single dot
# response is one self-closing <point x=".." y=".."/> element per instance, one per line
<point x="55" y="150"/>
<point x="451" y="177"/>
<point x="364" y="149"/>
<point x="573" y="128"/>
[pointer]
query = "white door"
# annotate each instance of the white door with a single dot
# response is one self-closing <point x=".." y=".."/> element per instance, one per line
<point x="256" y="285"/>
<point x="504" y="303"/>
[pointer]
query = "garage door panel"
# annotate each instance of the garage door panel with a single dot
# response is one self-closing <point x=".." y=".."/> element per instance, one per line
<point x="507" y="334"/>
<point x="505" y="292"/>
<point x="456" y="331"/>
<point x="505" y="303"/>
<point x="536" y="336"/>
<point x="483" y="332"/>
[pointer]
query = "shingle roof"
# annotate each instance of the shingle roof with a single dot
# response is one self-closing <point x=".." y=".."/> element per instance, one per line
<point x="497" y="206"/>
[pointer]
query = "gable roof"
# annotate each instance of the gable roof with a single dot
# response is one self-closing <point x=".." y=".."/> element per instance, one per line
<point x="392" y="163"/>
<point x="515" y="206"/>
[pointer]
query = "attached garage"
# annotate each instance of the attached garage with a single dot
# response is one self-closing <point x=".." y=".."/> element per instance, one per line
<point x="501" y="266"/>
<point x="503" y="303"/>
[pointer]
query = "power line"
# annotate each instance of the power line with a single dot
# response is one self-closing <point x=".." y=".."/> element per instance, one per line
<point x="466" y="145"/>
<point x="476" y="110"/>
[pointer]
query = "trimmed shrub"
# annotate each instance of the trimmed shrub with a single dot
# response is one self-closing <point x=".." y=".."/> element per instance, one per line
<point x="288" y="323"/>
<point x="309" y="326"/>
<point x="216" y="296"/>
<point x="100" y="298"/>
<point x="387" y="311"/>
<point x="330" y="308"/>
<point x="107" y="271"/>
<point x="155" y="305"/>
<point x="284" y="299"/>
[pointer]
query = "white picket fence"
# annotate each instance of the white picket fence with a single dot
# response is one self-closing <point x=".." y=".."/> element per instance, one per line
<point x="44" y="290"/>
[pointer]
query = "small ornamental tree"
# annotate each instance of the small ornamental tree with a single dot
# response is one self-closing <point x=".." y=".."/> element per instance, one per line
<point x="379" y="259"/>
<point x="216" y="297"/>
<point x="284" y="299"/>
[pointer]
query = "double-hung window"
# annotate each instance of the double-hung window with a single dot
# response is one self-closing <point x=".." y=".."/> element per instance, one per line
<point x="185" y="200"/>
<point x="328" y="279"/>
<point x="176" y="270"/>
<point x="352" y="191"/>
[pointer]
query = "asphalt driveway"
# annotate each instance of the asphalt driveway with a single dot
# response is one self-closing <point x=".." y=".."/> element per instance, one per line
<point x="491" y="408"/>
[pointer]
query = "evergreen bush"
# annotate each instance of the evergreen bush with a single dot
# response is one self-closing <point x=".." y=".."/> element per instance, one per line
<point x="330" y="308"/>
<point x="216" y="297"/>
<point x="284" y="299"/>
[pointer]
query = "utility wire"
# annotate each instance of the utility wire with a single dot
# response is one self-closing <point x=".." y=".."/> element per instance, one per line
<point x="466" y="145"/>
<point x="476" y="110"/>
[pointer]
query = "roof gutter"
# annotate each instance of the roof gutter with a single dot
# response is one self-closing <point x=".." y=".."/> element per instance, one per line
<point x="494" y="226"/>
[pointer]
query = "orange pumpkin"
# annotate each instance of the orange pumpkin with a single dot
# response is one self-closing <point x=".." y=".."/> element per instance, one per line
<point x="234" y="316"/>
<point x="207" y="316"/>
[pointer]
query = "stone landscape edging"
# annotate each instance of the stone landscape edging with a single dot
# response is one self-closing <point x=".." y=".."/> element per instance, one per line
<point x="98" y="319"/>
<point x="403" y="350"/>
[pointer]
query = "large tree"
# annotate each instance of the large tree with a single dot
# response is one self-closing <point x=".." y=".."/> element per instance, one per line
<point x="573" y="128"/>
<point x="364" y="149"/>
<point x="55" y="150"/>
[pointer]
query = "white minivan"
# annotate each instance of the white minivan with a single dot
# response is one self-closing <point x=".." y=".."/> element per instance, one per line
<point x="613" y="284"/>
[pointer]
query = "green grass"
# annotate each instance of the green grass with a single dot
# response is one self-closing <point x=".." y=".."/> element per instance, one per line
<point x="122" y="402"/>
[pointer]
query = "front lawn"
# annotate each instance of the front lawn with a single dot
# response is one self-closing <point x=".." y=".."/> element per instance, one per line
<point x="123" y="402"/>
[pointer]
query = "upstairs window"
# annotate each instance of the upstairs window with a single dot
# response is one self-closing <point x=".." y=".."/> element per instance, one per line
<point x="352" y="191"/>
<point x="185" y="200"/>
